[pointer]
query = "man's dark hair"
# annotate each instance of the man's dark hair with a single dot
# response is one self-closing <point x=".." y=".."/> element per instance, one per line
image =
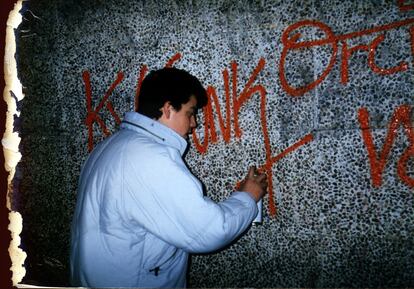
<point x="169" y="85"/>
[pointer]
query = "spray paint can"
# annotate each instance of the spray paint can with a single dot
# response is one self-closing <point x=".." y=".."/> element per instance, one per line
<point x="259" y="218"/>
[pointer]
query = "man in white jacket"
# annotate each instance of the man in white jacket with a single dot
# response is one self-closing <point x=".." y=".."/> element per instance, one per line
<point x="139" y="210"/>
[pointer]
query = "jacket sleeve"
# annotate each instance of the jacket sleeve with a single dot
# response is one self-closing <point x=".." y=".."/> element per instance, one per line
<point x="162" y="196"/>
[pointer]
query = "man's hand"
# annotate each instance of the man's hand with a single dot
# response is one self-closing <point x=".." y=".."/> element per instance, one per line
<point x="255" y="184"/>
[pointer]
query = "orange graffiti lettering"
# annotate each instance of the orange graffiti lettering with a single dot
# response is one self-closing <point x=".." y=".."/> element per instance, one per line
<point x="290" y="40"/>
<point x="401" y="117"/>
<point x="404" y="6"/>
<point x="93" y="114"/>
<point x="144" y="70"/>
<point x="225" y="123"/>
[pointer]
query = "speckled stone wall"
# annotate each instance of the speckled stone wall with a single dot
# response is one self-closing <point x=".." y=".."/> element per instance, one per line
<point x="319" y="94"/>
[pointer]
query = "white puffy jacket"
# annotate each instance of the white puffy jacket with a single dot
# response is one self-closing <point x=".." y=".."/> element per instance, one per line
<point x="140" y="211"/>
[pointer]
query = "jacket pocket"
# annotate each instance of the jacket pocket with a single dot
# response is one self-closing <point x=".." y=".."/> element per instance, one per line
<point x="159" y="268"/>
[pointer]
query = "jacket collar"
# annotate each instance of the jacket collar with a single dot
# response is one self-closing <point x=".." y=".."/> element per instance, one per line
<point x="154" y="129"/>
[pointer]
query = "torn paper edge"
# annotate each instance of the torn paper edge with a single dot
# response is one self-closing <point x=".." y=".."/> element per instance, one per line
<point x="11" y="140"/>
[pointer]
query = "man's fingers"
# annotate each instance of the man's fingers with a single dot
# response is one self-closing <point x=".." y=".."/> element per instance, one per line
<point x="261" y="177"/>
<point x="252" y="172"/>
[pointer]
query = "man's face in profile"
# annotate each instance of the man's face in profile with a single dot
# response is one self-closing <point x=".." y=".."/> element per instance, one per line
<point x="182" y="121"/>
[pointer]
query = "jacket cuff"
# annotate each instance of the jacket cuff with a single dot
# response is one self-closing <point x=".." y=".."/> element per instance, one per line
<point x="244" y="196"/>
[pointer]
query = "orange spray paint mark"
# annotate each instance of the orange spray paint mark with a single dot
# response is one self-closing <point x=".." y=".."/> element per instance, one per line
<point x="93" y="114"/>
<point x="237" y="102"/>
<point x="371" y="49"/>
<point x="401" y="117"/>
<point x="246" y="93"/>
<point x="270" y="161"/>
<point x="143" y="72"/>
<point x="292" y="43"/>
<point x="402" y="66"/>
<point x="176" y="57"/>
<point x="404" y="6"/>
<point x="346" y="54"/>
<point x="225" y="124"/>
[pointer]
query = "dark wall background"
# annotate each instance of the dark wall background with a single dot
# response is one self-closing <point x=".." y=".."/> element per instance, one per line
<point x="339" y="152"/>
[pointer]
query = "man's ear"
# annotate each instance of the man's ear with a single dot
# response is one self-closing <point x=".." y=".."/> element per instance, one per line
<point x="166" y="109"/>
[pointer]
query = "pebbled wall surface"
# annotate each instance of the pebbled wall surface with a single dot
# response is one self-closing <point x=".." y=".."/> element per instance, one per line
<point x="319" y="94"/>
